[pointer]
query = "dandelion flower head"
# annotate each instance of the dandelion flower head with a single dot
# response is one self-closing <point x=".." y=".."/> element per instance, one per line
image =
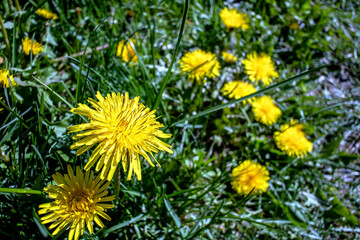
<point x="46" y="14"/>
<point x="200" y="64"/>
<point x="260" y="67"/>
<point x="292" y="140"/>
<point x="250" y="175"/>
<point x="123" y="129"/>
<point x="294" y="26"/>
<point x="238" y="89"/>
<point x="233" y="19"/>
<point x="265" y="110"/>
<point x="228" y="57"/>
<point x="126" y="51"/>
<point x="6" y="78"/>
<point x="29" y="45"/>
<point x="78" y="200"/>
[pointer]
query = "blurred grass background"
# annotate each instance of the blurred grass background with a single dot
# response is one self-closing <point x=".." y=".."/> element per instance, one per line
<point x="190" y="196"/>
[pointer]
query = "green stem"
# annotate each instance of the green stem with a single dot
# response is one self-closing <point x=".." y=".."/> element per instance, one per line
<point x="20" y="190"/>
<point x="117" y="181"/>
<point x="6" y="39"/>
<point x="18" y="9"/>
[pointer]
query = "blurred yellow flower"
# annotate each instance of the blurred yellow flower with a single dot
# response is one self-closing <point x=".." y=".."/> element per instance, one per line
<point x="126" y="51"/>
<point x="200" y="64"/>
<point x="294" y="25"/>
<point x="123" y="128"/>
<point x="46" y="14"/>
<point x="250" y="175"/>
<point x="228" y="57"/>
<point x="265" y="110"/>
<point x="260" y="67"/>
<point x="233" y="19"/>
<point x="78" y="200"/>
<point x="238" y="89"/>
<point x="292" y="140"/>
<point x="4" y="78"/>
<point x="29" y="45"/>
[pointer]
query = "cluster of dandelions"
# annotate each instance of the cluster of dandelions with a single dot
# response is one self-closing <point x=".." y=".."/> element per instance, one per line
<point x="29" y="47"/>
<point x="123" y="130"/>
<point x="200" y="65"/>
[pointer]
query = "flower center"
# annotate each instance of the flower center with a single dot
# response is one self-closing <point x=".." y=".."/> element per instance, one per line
<point x="127" y="132"/>
<point x="80" y="203"/>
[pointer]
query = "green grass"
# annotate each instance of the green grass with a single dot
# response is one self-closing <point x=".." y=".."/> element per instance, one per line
<point x="190" y="196"/>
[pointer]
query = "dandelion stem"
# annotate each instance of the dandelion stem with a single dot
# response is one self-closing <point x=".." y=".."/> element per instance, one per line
<point x="117" y="180"/>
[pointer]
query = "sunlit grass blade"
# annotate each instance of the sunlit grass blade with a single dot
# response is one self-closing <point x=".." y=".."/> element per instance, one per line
<point x="198" y="220"/>
<point x="124" y="224"/>
<point x="20" y="191"/>
<point x="79" y="82"/>
<point x="173" y="214"/>
<point x="53" y="92"/>
<point x="211" y="221"/>
<point x="56" y="94"/>
<point x="278" y="85"/>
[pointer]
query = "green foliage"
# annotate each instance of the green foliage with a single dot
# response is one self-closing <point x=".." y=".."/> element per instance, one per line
<point x="314" y="45"/>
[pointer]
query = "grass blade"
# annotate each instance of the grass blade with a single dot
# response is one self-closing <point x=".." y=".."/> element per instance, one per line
<point x="221" y="106"/>
<point x="167" y="76"/>
<point x="123" y="224"/>
<point x="20" y="190"/>
<point x="173" y="215"/>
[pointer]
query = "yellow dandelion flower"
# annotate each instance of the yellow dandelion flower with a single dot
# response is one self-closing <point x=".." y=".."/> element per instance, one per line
<point x="78" y="200"/>
<point x="46" y="14"/>
<point x="233" y="19"/>
<point x="6" y="78"/>
<point x="294" y="26"/>
<point x="250" y="175"/>
<point x="29" y="45"/>
<point x="265" y="110"/>
<point x="126" y="52"/>
<point x="124" y="129"/>
<point x="228" y="57"/>
<point x="292" y="140"/>
<point x="200" y="64"/>
<point x="238" y="89"/>
<point x="260" y="67"/>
